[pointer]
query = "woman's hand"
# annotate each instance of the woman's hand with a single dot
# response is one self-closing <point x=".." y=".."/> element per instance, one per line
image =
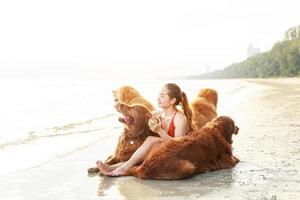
<point x="154" y="124"/>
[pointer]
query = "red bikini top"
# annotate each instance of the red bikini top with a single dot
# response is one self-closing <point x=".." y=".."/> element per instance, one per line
<point x="171" y="129"/>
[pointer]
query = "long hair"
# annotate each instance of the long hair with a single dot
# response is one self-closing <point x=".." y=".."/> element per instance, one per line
<point x="174" y="91"/>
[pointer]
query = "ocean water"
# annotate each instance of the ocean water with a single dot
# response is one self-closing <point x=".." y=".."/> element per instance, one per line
<point x="42" y="119"/>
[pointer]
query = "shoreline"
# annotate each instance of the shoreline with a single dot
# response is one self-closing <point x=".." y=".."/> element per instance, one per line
<point x="275" y="81"/>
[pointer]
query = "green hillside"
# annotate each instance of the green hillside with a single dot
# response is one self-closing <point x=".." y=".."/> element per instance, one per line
<point x="283" y="60"/>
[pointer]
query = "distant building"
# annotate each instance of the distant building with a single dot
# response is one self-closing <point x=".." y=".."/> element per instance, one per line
<point x="293" y="33"/>
<point x="251" y="51"/>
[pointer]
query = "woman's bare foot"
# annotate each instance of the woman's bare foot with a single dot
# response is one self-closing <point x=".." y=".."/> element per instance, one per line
<point x="103" y="167"/>
<point x="120" y="171"/>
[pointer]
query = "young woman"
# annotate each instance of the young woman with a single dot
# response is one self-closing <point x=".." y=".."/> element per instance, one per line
<point x="172" y="123"/>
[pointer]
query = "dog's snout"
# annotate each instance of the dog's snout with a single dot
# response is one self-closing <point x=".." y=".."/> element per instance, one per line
<point x="236" y="130"/>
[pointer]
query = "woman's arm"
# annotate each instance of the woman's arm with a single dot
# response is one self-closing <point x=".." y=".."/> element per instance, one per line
<point x="164" y="135"/>
<point x="180" y="123"/>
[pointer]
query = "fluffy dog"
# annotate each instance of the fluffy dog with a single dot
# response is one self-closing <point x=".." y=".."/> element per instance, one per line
<point x="204" y="107"/>
<point x="204" y="150"/>
<point x="136" y="130"/>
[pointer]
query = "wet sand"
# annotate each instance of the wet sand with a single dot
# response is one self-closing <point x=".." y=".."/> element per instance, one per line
<point x="268" y="145"/>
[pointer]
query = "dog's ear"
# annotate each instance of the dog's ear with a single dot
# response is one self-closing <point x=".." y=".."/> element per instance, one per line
<point x="228" y="127"/>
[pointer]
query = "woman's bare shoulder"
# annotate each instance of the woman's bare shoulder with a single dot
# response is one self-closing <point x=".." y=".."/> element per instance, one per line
<point x="180" y="116"/>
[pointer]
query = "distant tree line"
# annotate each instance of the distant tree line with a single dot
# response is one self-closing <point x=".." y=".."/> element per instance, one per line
<point x="283" y="60"/>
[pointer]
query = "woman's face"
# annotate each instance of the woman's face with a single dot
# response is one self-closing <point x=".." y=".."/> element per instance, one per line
<point x="164" y="100"/>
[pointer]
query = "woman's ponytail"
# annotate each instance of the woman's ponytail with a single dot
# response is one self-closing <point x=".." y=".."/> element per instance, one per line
<point x="187" y="111"/>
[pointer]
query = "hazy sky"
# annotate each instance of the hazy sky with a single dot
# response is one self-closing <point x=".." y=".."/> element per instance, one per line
<point x="167" y="37"/>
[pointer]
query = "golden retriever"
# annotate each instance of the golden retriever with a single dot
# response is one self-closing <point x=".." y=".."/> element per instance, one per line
<point x="204" y="107"/>
<point x="136" y="130"/>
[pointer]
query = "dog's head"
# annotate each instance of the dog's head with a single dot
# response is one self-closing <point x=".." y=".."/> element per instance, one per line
<point x="125" y="94"/>
<point x="226" y="126"/>
<point x="135" y="117"/>
<point x="210" y="95"/>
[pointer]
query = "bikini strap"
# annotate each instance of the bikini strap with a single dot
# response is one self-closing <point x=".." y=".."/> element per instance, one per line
<point x="173" y="116"/>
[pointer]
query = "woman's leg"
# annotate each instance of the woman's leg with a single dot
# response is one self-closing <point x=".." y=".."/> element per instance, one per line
<point x="105" y="168"/>
<point x="138" y="156"/>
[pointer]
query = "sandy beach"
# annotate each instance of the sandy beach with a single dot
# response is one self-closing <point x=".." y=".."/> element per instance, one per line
<point x="268" y="146"/>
